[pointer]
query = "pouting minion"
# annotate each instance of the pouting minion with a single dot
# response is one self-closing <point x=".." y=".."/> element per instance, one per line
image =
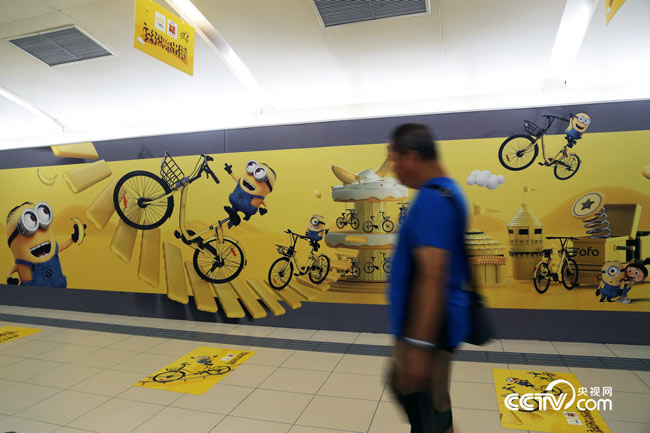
<point x="578" y="125"/>
<point x="250" y="192"/>
<point x="610" y="283"/>
<point x="634" y="273"/>
<point x="34" y="247"/>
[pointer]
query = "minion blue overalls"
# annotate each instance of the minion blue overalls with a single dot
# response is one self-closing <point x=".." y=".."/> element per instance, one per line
<point x="46" y="274"/>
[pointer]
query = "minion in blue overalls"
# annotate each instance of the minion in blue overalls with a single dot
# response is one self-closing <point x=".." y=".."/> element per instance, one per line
<point x="34" y="247"/>
<point x="250" y="192"/>
<point x="316" y="231"/>
<point x="578" y="125"/>
<point x="610" y="282"/>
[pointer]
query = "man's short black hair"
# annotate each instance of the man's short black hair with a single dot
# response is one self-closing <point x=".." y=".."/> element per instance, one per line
<point x="414" y="136"/>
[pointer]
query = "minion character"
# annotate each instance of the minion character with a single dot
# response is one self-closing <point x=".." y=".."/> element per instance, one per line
<point x="34" y="247"/>
<point x="578" y="125"/>
<point x="316" y="231"/>
<point x="250" y="192"/>
<point x="610" y="283"/>
<point x="520" y="382"/>
<point x="634" y="273"/>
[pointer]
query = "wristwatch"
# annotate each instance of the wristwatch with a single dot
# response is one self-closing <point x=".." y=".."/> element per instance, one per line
<point x="420" y="344"/>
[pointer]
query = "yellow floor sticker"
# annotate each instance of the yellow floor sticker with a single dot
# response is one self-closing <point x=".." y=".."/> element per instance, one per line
<point x="550" y="402"/>
<point x="10" y="333"/>
<point x="197" y="371"/>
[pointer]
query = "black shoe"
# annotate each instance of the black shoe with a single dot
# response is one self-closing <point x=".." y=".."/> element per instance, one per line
<point x="233" y="215"/>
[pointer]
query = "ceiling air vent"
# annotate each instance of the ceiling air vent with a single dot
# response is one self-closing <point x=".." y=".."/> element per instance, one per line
<point x="335" y="12"/>
<point x="59" y="46"/>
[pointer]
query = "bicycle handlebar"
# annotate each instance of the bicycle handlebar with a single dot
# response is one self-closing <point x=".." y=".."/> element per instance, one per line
<point x="209" y="171"/>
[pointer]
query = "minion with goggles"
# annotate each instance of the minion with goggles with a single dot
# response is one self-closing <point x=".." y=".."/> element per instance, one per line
<point x="316" y="231"/>
<point x="578" y="125"/>
<point x="610" y="283"/>
<point x="250" y="192"/>
<point x="34" y="247"/>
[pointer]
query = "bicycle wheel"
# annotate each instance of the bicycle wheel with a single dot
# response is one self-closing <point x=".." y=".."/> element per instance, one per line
<point x="564" y="172"/>
<point x="320" y="269"/>
<point x="356" y="271"/>
<point x="219" y="262"/>
<point x="340" y="222"/>
<point x="169" y="376"/>
<point x="222" y="369"/>
<point x="386" y="266"/>
<point x="569" y="274"/>
<point x="542" y="277"/>
<point x="369" y="268"/>
<point x="518" y="152"/>
<point x="280" y="273"/>
<point x="130" y="195"/>
<point x="388" y="226"/>
<point x="354" y="223"/>
<point x="368" y="226"/>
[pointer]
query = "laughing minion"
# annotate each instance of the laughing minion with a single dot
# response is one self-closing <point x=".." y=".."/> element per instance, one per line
<point x="252" y="188"/>
<point x="578" y="125"/>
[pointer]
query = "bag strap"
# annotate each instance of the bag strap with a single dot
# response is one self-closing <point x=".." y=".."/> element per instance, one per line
<point x="460" y="211"/>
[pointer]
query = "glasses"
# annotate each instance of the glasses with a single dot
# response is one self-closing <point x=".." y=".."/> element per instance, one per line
<point x="259" y="173"/>
<point x="32" y="220"/>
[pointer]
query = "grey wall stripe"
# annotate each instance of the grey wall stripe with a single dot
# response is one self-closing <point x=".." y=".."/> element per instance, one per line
<point x="607" y="117"/>
<point x="611" y="363"/>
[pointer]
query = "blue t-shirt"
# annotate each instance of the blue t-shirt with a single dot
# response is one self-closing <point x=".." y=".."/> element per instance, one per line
<point x="432" y="221"/>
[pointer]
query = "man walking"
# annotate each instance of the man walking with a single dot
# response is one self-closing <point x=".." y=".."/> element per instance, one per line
<point x="430" y="312"/>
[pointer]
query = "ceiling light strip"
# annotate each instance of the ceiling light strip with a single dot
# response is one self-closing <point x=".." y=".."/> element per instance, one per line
<point x="29" y="107"/>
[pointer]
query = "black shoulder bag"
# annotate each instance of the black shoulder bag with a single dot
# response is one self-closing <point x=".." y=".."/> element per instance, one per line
<point x="481" y="329"/>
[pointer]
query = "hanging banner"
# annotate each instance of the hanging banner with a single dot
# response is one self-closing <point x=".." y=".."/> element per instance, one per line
<point x="10" y="333"/>
<point x="611" y="7"/>
<point x="164" y="36"/>
<point x="550" y="402"/>
<point x="198" y="371"/>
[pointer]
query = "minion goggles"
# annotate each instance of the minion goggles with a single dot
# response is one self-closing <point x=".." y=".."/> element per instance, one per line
<point x="259" y="173"/>
<point x="32" y="220"/>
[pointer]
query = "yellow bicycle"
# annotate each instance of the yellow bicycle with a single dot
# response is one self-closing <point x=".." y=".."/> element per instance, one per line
<point x="145" y="201"/>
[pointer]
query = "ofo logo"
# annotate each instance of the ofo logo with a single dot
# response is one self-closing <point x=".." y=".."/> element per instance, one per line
<point x="555" y="399"/>
<point x="486" y="179"/>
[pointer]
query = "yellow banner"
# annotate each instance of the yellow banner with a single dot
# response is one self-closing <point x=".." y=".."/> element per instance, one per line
<point x="10" y="333"/>
<point x="197" y="371"/>
<point x="550" y="402"/>
<point x="611" y="7"/>
<point x="164" y="36"/>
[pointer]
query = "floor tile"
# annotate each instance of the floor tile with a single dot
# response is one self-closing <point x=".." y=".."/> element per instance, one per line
<point x="27" y="369"/>
<point x="375" y="339"/>
<point x="474" y="420"/>
<point x="63" y="407"/>
<point x="390" y="418"/>
<point x="252" y="330"/>
<point x="295" y="380"/>
<point x="248" y="375"/>
<point x="619" y="380"/>
<point x="66" y="353"/>
<point x="644" y="376"/>
<point x="529" y="346"/>
<point x="473" y="395"/>
<point x="306" y="429"/>
<point x="313" y="360"/>
<point x="353" y="386"/>
<point x="292" y="333"/>
<point x="363" y="364"/>
<point x="145" y="363"/>
<point x="116" y="416"/>
<point x="69" y="335"/>
<point x="150" y="395"/>
<point x="15" y="424"/>
<point x="101" y="339"/>
<point x="180" y="325"/>
<point x="278" y="406"/>
<point x="474" y="371"/>
<point x="216" y="328"/>
<point x="9" y="346"/>
<point x="338" y="413"/>
<point x="626" y="427"/>
<point x="109" y="383"/>
<point x="584" y="349"/>
<point x="630" y="351"/>
<point x="532" y="367"/>
<point x="147" y="322"/>
<point x="71" y="430"/>
<point x="104" y="358"/>
<point x="32" y="348"/>
<point x="269" y="356"/>
<point x="335" y="336"/>
<point x="65" y="376"/>
<point x="19" y="396"/>
<point x="628" y="406"/>
<point x="136" y="343"/>
<point x="218" y="399"/>
<point x="175" y="420"/>
<point x="175" y="348"/>
<point x="6" y="383"/>
<point x="492" y="346"/>
<point x="233" y="424"/>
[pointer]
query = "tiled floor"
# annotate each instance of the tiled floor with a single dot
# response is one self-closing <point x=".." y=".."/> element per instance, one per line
<point x="71" y="380"/>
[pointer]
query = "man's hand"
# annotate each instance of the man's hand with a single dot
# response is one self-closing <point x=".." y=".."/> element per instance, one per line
<point x="263" y="211"/>
<point x="13" y="281"/>
<point x="413" y="369"/>
<point x="228" y="168"/>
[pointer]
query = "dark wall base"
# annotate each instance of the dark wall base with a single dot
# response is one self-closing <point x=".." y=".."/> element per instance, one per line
<point x="549" y="325"/>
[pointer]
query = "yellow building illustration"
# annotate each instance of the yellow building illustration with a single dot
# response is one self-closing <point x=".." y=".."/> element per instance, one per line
<point x="525" y="232"/>
<point x="486" y="256"/>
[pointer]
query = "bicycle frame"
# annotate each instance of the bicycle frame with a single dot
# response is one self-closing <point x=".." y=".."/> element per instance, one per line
<point x="292" y="256"/>
<point x="540" y="139"/>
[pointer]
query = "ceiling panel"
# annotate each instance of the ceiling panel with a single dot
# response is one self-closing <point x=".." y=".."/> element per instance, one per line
<point x="14" y="10"/>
